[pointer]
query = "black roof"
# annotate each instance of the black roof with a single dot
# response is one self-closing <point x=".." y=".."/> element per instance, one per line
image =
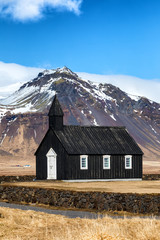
<point x="55" y="109"/>
<point x="97" y="140"/>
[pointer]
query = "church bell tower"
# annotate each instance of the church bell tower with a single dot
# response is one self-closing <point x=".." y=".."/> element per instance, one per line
<point x="56" y="115"/>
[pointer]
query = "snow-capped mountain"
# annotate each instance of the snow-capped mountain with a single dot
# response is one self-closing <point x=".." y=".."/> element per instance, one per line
<point x="24" y="113"/>
<point x="35" y="95"/>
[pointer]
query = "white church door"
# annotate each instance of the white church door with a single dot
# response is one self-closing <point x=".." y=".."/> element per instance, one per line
<point x="51" y="164"/>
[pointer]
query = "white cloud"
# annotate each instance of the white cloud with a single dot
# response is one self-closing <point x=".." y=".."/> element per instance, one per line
<point x="129" y="84"/>
<point x="23" y="10"/>
<point x="13" y="75"/>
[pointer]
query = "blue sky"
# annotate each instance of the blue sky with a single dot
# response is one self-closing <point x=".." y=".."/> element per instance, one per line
<point x="117" y="41"/>
<point x="95" y="36"/>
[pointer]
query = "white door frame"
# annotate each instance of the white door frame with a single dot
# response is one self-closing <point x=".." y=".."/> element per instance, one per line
<point x="51" y="164"/>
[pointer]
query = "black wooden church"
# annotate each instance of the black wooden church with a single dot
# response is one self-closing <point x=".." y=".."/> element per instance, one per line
<point x="86" y="152"/>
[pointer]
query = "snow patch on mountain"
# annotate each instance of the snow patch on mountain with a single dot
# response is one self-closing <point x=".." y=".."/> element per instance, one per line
<point x="48" y="72"/>
<point x="132" y="85"/>
<point x="134" y="97"/>
<point x="95" y="122"/>
<point x="153" y="129"/>
<point x="27" y="108"/>
<point x="112" y="116"/>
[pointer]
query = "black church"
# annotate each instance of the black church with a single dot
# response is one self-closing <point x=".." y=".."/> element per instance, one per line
<point x="86" y="153"/>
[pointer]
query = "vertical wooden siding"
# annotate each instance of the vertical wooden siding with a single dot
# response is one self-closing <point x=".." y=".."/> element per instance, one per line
<point x="95" y="168"/>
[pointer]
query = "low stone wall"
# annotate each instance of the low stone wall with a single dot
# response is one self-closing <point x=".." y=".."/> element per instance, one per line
<point x="151" y="176"/>
<point x="26" y="178"/>
<point x="134" y="203"/>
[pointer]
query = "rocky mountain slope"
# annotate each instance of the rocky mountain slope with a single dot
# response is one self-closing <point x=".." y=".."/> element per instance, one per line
<point x="24" y="120"/>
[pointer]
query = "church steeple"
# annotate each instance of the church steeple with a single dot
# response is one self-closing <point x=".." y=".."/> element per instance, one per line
<point x="56" y="115"/>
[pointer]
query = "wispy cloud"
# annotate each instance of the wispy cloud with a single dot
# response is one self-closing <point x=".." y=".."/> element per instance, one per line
<point x="129" y="84"/>
<point x="24" y="10"/>
<point x="12" y="76"/>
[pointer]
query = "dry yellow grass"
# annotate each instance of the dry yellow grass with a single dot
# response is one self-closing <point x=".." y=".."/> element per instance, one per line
<point x="18" y="224"/>
<point x="121" y="187"/>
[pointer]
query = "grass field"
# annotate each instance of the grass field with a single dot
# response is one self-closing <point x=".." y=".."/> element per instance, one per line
<point x="121" y="187"/>
<point x="30" y="225"/>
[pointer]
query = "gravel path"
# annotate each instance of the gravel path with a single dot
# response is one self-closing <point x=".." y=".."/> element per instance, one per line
<point x="67" y="213"/>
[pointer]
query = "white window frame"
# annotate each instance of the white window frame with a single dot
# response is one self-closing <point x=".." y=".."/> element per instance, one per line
<point x="109" y="158"/>
<point x="81" y="157"/>
<point x="130" y="159"/>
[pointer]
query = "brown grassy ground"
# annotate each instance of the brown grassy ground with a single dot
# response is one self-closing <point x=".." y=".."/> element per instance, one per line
<point x="8" y="167"/>
<point x="121" y="187"/>
<point x="18" y="224"/>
